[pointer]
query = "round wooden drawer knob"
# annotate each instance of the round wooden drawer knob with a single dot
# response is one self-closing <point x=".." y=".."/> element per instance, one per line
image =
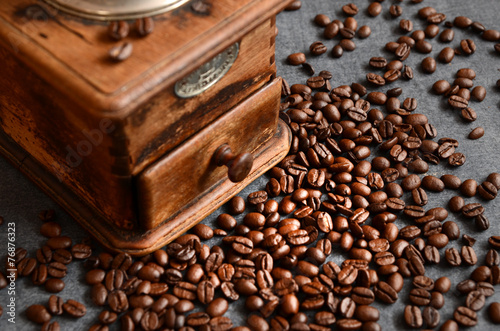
<point x="239" y="166"/>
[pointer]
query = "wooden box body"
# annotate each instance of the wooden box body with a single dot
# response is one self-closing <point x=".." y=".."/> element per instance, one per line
<point x="112" y="142"/>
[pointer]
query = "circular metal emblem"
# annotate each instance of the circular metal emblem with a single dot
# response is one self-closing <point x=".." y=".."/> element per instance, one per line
<point x="108" y="10"/>
<point x="208" y="74"/>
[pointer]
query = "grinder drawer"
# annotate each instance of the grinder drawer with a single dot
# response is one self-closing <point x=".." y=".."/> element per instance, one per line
<point x="189" y="173"/>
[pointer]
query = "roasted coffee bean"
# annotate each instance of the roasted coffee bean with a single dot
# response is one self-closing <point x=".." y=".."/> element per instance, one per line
<point x="81" y="251"/>
<point x="475" y="300"/>
<point x="99" y="294"/>
<point x="413" y="316"/>
<point x="322" y="20"/>
<point x="205" y="292"/>
<point x="428" y="65"/>
<point x="384" y="292"/>
<point x="468" y="255"/>
<point x="472" y="210"/>
<point x="482" y="222"/>
<point x="118" y="30"/>
<point x="406" y="25"/>
<point x="476" y="133"/>
<point x="55" y="305"/>
<point x="236" y="206"/>
<point x="395" y="10"/>
<point x="296" y="59"/>
<point x="50" y="229"/>
<point x="350" y="9"/>
<point x="494" y="312"/>
<point x="54" y="285"/>
<point x="494" y="241"/>
<point x="468" y="46"/>
<point x="431" y="317"/>
<point x="456" y="159"/>
<point x="465" y="316"/>
<point x="38" y="314"/>
<point x="468" y="114"/>
<point x="57" y="269"/>
<point x="60" y="242"/>
<point x="62" y="255"/>
<point x="446" y="56"/>
<point x="117" y="301"/>
<point x="487" y="190"/>
<point x="144" y="26"/>
<point x="420" y="297"/>
<point x="449" y="325"/>
<point x="457" y="102"/>
<point x="447" y="35"/>
<point x="120" y="52"/>
<point x="74" y="308"/>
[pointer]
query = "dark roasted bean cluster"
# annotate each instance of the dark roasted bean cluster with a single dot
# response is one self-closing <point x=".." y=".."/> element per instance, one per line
<point x="357" y="167"/>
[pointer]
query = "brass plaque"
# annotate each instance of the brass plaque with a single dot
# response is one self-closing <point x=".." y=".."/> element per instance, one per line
<point x="208" y="74"/>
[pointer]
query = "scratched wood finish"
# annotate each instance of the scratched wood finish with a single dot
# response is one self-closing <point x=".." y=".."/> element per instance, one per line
<point x="52" y="129"/>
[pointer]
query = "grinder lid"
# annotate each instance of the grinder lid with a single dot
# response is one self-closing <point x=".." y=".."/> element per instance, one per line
<point x="107" y="10"/>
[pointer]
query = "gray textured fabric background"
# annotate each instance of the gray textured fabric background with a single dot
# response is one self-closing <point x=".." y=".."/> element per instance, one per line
<point x="20" y="200"/>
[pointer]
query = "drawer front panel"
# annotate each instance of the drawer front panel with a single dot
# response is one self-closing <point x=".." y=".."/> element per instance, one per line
<point x="189" y="172"/>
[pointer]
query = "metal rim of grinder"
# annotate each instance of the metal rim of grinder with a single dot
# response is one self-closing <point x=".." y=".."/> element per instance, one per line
<point x="111" y="10"/>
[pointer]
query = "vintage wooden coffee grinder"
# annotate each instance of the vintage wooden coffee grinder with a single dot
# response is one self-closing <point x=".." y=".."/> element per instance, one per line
<point x="140" y="138"/>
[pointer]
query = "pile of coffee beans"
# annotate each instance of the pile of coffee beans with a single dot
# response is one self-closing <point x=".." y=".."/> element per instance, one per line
<point x="353" y="189"/>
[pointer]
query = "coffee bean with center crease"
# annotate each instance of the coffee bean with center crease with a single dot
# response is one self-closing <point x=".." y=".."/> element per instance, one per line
<point x="472" y="210"/>
<point x="468" y="255"/>
<point x="118" y="301"/>
<point x="431" y="317"/>
<point x="402" y="51"/>
<point x="62" y="255"/>
<point x="317" y="48"/>
<point x="413" y="316"/>
<point x="453" y="256"/>
<point x="465" y="316"/>
<point x="482" y="222"/>
<point x="57" y="270"/>
<point x="81" y="251"/>
<point x="468" y="46"/>
<point x="475" y="300"/>
<point x="362" y="295"/>
<point x="378" y="62"/>
<point x="487" y="190"/>
<point x="457" y="102"/>
<point x="205" y="292"/>
<point x="120" y="52"/>
<point x="55" y="305"/>
<point x="420" y="297"/>
<point x="384" y="292"/>
<point x="144" y="26"/>
<point x="74" y="308"/>
<point x="118" y="30"/>
<point x="375" y="79"/>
